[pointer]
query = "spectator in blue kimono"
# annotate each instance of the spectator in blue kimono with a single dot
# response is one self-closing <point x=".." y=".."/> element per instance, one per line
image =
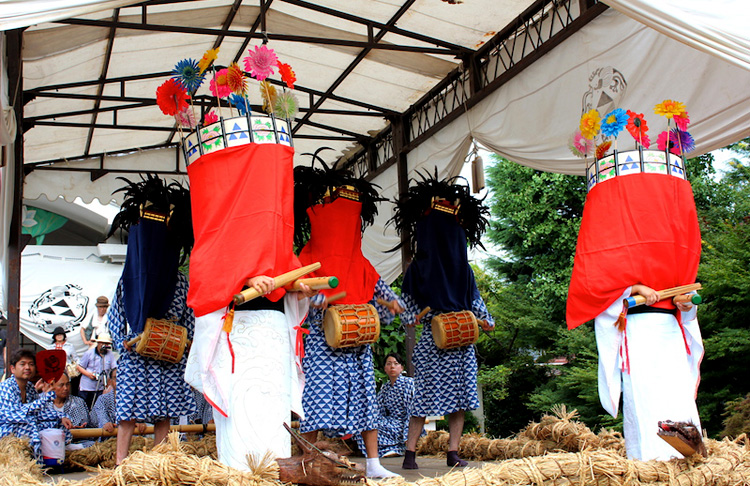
<point x="24" y="406"/>
<point x="394" y="401"/>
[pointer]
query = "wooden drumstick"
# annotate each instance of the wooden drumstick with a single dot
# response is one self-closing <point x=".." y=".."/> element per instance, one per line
<point x="385" y="303"/>
<point x="694" y="299"/>
<point x="423" y="313"/>
<point x="315" y="283"/>
<point x="637" y="299"/>
<point x="134" y="341"/>
<point x="280" y="281"/>
<point x="335" y="297"/>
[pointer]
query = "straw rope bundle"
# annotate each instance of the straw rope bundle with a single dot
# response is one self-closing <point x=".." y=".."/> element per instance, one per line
<point x="17" y="466"/>
<point x="168" y="464"/>
<point x="103" y="453"/>
<point x="554" y="433"/>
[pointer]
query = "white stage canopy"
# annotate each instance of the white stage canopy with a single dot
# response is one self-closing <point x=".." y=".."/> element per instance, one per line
<point x="640" y="53"/>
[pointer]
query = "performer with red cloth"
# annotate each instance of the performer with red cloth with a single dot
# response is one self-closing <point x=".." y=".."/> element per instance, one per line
<point x="339" y="396"/>
<point x="246" y="367"/>
<point x="640" y="234"/>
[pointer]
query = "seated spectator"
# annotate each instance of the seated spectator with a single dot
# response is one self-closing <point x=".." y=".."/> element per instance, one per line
<point x="394" y="401"/>
<point x="103" y="413"/>
<point x="24" y="407"/>
<point x="204" y="413"/>
<point x="72" y="407"/>
<point x="95" y="365"/>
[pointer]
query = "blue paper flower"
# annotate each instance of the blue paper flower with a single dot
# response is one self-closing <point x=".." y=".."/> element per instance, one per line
<point x="188" y="74"/>
<point x="614" y="122"/>
<point x="682" y="140"/>
<point x="240" y="103"/>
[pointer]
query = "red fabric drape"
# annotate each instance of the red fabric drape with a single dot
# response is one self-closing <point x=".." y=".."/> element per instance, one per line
<point x="243" y="220"/>
<point x="639" y="228"/>
<point x="336" y="242"/>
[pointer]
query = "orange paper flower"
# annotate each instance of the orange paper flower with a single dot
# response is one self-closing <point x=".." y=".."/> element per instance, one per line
<point x="590" y="124"/>
<point x="287" y="75"/>
<point x="601" y="149"/>
<point x="236" y="79"/>
<point x="669" y="108"/>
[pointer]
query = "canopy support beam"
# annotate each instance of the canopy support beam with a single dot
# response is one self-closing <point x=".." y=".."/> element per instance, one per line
<point x="15" y="243"/>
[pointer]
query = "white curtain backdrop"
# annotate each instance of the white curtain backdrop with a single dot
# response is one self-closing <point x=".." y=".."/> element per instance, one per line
<point x="23" y="13"/>
<point x="530" y="119"/>
<point x="719" y="28"/>
<point x="61" y="291"/>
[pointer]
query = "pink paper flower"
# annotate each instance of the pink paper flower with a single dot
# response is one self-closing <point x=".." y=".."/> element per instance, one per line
<point x="219" y="84"/>
<point x="663" y="142"/>
<point x="682" y="121"/>
<point x="186" y="118"/>
<point x="261" y="62"/>
<point x="210" y="118"/>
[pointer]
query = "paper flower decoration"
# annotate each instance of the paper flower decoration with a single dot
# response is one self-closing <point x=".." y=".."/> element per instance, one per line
<point x="187" y="73"/>
<point x="171" y="97"/>
<point x="219" y="86"/>
<point x="669" y="108"/>
<point x="590" y="124"/>
<point x="601" y="149"/>
<point x="210" y="117"/>
<point x="682" y="141"/>
<point x="209" y="57"/>
<point x="580" y="146"/>
<point x="236" y="79"/>
<point x="239" y="102"/>
<point x="260" y="63"/>
<point x="637" y="127"/>
<point x="268" y="93"/>
<point x="186" y="118"/>
<point x="614" y="122"/>
<point x="286" y="105"/>
<point x="663" y="142"/>
<point x="682" y="121"/>
<point x="287" y="75"/>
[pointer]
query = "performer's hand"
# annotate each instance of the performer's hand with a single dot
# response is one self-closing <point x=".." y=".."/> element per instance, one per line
<point x="395" y="307"/>
<point x="42" y="386"/>
<point x="127" y="346"/>
<point x="109" y="427"/>
<point x="684" y="306"/>
<point x="140" y="427"/>
<point x="486" y="325"/>
<point x="305" y="292"/>
<point x="262" y="283"/>
<point x="65" y="421"/>
<point x="651" y="295"/>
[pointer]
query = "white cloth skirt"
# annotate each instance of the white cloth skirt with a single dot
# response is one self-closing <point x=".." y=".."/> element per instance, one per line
<point x="660" y="386"/>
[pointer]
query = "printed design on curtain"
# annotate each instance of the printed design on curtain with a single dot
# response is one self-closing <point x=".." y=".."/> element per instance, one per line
<point x="64" y="305"/>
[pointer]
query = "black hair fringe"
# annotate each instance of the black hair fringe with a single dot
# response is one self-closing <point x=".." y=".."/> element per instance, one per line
<point x="311" y="185"/>
<point x="412" y="206"/>
<point x="154" y="193"/>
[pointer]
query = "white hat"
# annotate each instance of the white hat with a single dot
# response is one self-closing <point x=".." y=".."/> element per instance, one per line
<point x="103" y="338"/>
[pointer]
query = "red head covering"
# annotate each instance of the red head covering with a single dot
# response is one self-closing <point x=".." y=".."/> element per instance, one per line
<point x="243" y="218"/>
<point x="638" y="228"/>
<point x="336" y="242"/>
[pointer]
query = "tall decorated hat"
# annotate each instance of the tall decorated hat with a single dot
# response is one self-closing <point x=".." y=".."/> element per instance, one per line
<point x="639" y="222"/>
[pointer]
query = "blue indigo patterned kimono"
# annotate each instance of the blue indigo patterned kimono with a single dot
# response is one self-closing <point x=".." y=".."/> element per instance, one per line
<point x="29" y="418"/>
<point x="394" y="403"/>
<point x="445" y="379"/>
<point x="339" y="395"/>
<point x="104" y="410"/>
<point x="440" y="277"/>
<point x="148" y="389"/>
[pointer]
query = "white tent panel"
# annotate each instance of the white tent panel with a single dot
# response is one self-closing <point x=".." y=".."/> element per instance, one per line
<point x="22" y="13"/>
<point x="717" y="28"/>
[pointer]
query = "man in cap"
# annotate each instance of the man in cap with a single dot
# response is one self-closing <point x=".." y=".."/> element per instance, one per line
<point x="97" y="324"/>
<point x="94" y="366"/>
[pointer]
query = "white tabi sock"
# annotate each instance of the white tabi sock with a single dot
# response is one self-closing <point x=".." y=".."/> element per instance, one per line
<point x="376" y="471"/>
